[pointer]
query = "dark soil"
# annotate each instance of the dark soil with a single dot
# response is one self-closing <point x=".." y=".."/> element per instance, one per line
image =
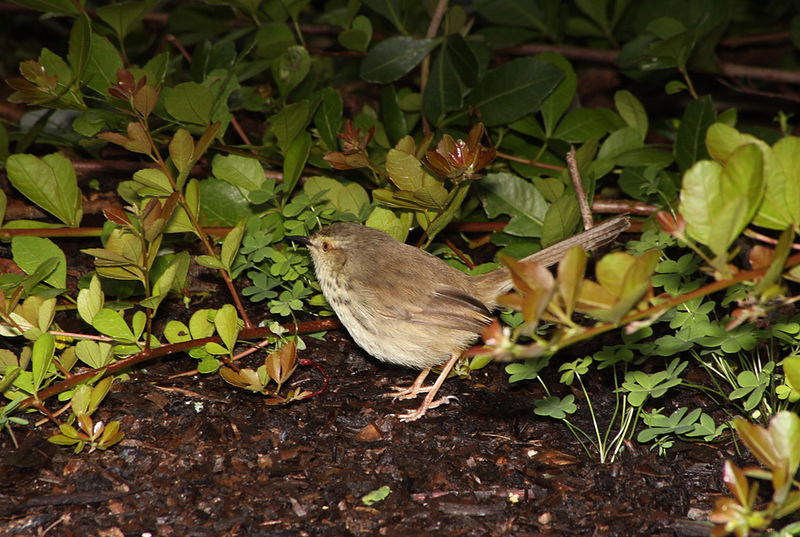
<point x="201" y="458"/>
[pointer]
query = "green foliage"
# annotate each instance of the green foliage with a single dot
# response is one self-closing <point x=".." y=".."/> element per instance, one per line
<point x="250" y="128"/>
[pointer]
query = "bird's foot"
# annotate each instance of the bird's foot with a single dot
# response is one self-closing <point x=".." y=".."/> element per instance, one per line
<point x="413" y="391"/>
<point x="426" y="405"/>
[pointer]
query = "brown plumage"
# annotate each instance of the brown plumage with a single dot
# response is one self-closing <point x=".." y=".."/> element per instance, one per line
<point x="405" y="306"/>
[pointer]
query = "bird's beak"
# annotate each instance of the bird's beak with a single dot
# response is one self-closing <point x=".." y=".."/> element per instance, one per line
<point x="300" y="239"/>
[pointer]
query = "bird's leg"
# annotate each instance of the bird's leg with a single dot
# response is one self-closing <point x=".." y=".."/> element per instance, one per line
<point x="410" y="392"/>
<point x="429" y="402"/>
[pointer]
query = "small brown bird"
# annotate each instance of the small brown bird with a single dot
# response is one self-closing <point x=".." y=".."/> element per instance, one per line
<point x="405" y="306"/>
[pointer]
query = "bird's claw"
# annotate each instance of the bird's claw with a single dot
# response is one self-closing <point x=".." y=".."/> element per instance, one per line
<point x="417" y="413"/>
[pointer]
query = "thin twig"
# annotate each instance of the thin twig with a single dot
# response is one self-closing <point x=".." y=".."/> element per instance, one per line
<point x="580" y="193"/>
<point x="530" y="162"/>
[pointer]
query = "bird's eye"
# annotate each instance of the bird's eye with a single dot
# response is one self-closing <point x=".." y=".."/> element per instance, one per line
<point x="326" y="246"/>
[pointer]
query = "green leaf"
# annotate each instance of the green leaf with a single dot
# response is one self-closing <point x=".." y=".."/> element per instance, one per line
<point x="690" y="142"/>
<point x="155" y="181"/>
<point x="189" y="102"/>
<point x="290" y="69"/>
<point x="112" y="324"/>
<point x="42" y="358"/>
<point x="295" y="160"/>
<point x="230" y="246"/>
<point x="181" y="150"/>
<point x="289" y="122"/>
<point x="394" y="120"/>
<point x="162" y="286"/>
<point x="226" y="323"/>
<point x="93" y="354"/>
<point x="395" y="225"/>
<point x="101" y="69"/>
<point x="389" y="9"/>
<point x="221" y="203"/>
<point x="272" y="39"/>
<point x="561" y="219"/>
<point x="122" y="16"/>
<point x="781" y="206"/>
<point x="66" y="7"/>
<point x="514" y="89"/>
<point x="738" y="186"/>
<point x="328" y="119"/>
<point x="79" y="46"/>
<point x="31" y="252"/>
<point x="394" y="57"/>
<point x="50" y="183"/>
<point x="583" y="124"/>
<point x="453" y="73"/>
<point x="503" y="193"/>
<point x="555" y="407"/>
<point x="542" y="15"/>
<point x="344" y="196"/>
<point x="358" y="36"/>
<point x="243" y="172"/>
<point x="559" y="101"/>
<point x="632" y="112"/>
<point x="91" y="300"/>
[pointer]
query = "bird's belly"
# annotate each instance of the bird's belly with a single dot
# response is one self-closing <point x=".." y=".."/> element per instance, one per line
<point x="399" y="342"/>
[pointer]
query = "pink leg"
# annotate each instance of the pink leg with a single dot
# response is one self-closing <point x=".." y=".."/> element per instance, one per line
<point x="429" y="402"/>
<point x="410" y="392"/>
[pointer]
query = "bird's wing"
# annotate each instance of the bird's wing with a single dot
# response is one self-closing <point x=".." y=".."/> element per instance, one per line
<point x="446" y="307"/>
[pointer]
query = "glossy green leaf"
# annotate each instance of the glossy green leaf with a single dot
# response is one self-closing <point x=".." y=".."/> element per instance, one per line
<point x="221" y="203"/>
<point x="243" y="172"/>
<point x="514" y="89"/>
<point x="394" y="57"/>
<point x="503" y="193"/>
<point x="50" y="183"/>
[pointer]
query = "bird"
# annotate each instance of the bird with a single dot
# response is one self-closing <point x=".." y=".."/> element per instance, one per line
<point x="405" y="306"/>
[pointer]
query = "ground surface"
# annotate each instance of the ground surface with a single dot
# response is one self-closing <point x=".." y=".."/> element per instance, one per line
<point x="201" y="458"/>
